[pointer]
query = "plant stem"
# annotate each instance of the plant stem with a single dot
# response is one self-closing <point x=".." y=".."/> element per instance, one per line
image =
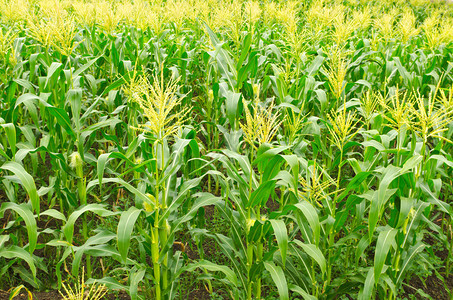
<point x="259" y="257"/>
<point x="155" y="256"/>
<point x="333" y="213"/>
<point x="155" y="232"/>
<point x="249" y="266"/>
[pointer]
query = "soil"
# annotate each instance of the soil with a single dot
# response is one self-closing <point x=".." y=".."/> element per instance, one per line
<point x="2" y="195"/>
<point x="200" y="294"/>
<point x="272" y="205"/>
<point x="432" y="286"/>
<point x="121" y="296"/>
<point x="6" y="218"/>
<point x="54" y="295"/>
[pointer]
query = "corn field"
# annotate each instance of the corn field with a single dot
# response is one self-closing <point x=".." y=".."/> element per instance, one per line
<point x="214" y="149"/>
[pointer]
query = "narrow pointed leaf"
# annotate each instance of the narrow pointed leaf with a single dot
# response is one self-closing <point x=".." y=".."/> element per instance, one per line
<point x="125" y="228"/>
<point x="27" y="181"/>
<point x="384" y="241"/>
<point x="281" y="235"/>
<point x="279" y="279"/>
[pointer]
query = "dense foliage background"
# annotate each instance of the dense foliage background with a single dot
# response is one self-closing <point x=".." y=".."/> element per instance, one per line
<point x="256" y="149"/>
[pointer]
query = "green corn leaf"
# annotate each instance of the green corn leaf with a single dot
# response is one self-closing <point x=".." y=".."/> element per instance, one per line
<point x="293" y="163"/>
<point x="58" y="243"/>
<point x="406" y="204"/>
<point x="125" y="228"/>
<point x="315" y="65"/>
<point x="413" y="222"/>
<point x="128" y="186"/>
<point x="301" y="292"/>
<point x="375" y="208"/>
<point x="22" y="153"/>
<point x="385" y="239"/>
<point x="227" y="247"/>
<point x="182" y="194"/>
<point x="54" y="214"/>
<point x="204" y="264"/>
<point x="242" y="160"/>
<point x="441" y="159"/>
<point x="247" y="70"/>
<point x="411" y="255"/>
<point x="244" y="50"/>
<point x="230" y="169"/>
<point x="279" y="279"/>
<point x="361" y="246"/>
<point x="86" y="132"/>
<point x="26" y="180"/>
<point x="223" y="59"/>
<point x="27" y="277"/>
<point x="84" y="67"/>
<point x="354" y="184"/>
<point x="102" y="162"/>
<point x="322" y="98"/>
<point x="62" y="118"/>
<point x="68" y="251"/>
<point x="113" y="86"/>
<point x="312" y="217"/>
<point x="68" y="228"/>
<point x="105" y="250"/>
<point x="314" y="253"/>
<point x="375" y="144"/>
<point x="53" y="73"/>
<point x="3" y="153"/>
<point x="411" y="163"/>
<point x="390" y="174"/>
<point x="383" y="194"/>
<point x="29" y="135"/>
<point x="368" y="287"/>
<point x="75" y="100"/>
<point x="109" y="282"/>
<point x="302" y="260"/>
<point x="266" y="152"/>
<point x="25" y="84"/>
<point x="281" y="235"/>
<point x="256" y="231"/>
<point x="17" y="290"/>
<point x="407" y="77"/>
<point x="24" y="211"/>
<point x="232" y="105"/>
<point x="431" y="197"/>
<point x="136" y="278"/>
<point x="13" y="252"/>
<point x="3" y="240"/>
<point x="10" y="130"/>
<point x="30" y="98"/>
<point x="286" y="179"/>
<point x="261" y="194"/>
<point x="101" y="238"/>
<point x="203" y="199"/>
